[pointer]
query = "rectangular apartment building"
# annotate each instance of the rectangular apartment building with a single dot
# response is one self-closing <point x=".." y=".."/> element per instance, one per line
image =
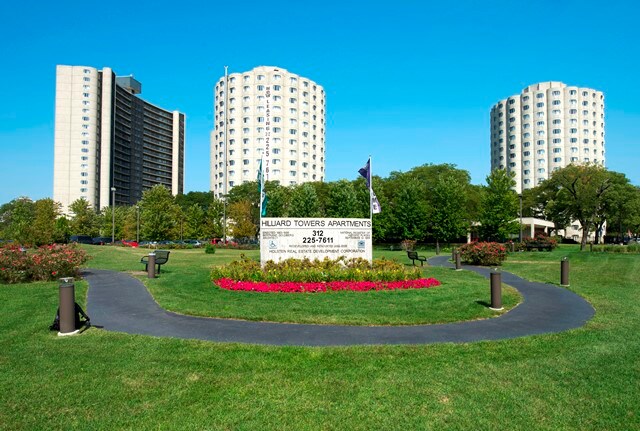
<point x="106" y="137"/>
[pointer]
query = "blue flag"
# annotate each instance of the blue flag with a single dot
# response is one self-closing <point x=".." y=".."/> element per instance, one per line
<point x="366" y="173"/>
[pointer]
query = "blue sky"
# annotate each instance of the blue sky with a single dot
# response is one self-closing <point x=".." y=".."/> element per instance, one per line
<point x="409" y="82"/>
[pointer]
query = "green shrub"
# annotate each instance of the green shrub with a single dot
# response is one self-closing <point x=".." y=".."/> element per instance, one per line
<point x="483" y="253"/>
<point x="210" y="249"/>
<point x="616" y="248"/>
<point x="305" y="270"/>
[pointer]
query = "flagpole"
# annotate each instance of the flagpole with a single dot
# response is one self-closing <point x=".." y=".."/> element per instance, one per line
<point x="225" y="171"/>
<point x="370" y="190"/>
<point x="261" y="185"/>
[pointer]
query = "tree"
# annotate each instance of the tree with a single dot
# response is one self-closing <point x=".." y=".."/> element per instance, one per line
<point x="279" y="199"/>
<point x="17" y="220"/>
<point x="46" y="212"/>
<point x="342" y="201"/>
<point x="582" y="189"/>
<point x="194" y="222"/>
<point x="542" y="202"/>
<point x="213" y="219"/>
<point x="304" y="202"/>
<point x="449" y="218"/>
<point x="159" y="214"/>
<point x="242" y="226"/>
<point x="203" y="199"/>
<point x="84" y="220"/>
<point x="410" y="210"/>
<point x="129" y="220"/>
<point x="499" y="207"/>
<point x="106" y="225"/>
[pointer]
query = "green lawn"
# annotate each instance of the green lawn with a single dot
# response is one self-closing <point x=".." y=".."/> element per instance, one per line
<point x="584" y="379"/>
<point x="184" y="287"/>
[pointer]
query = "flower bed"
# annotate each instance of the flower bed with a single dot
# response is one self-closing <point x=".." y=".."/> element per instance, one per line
<point x="304" y="275"/>
<point x="44" y="264"/>
<point x="332" y="286"/>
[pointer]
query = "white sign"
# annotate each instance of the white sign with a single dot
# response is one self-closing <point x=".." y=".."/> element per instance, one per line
<point x="314" y="238"/>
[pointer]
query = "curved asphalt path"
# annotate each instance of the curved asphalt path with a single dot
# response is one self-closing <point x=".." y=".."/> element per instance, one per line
<point x="119" y="302"/>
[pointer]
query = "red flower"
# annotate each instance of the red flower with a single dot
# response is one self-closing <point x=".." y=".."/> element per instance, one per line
<point x="298" y="287"/>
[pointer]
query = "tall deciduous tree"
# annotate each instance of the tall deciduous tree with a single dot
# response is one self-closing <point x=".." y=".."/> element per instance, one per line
<point x="46" y="212"/>
<point x="17" y="220"/>
<point x="242" y="226"/>
<point x="213" y="219"/>
<point x="499" y="207"/>
<point x="159" y="214"/>
<point x="449" y="219"/>
<point x="342" y="201"/>
<point x="583" y="190"/>
<point x="194" y="222"/>
<point x="304" y="202"/>
<point x="410" y="209"/>
<point x="84" y="220"/>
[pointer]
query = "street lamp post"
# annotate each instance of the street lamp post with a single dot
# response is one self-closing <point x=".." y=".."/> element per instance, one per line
<point x="138" y="223"/>
<point x="520" y="196"/>
<point x="113" y="215"/>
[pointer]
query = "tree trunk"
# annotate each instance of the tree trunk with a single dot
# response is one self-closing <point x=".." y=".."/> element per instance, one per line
<point x="585" y="234"/>
<point x="437" y="247"/>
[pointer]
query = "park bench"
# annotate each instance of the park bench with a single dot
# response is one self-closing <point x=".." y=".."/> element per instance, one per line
<point x="537" y="245"/>
<point x="413" y="255"/>
<point x="162" y="257"/>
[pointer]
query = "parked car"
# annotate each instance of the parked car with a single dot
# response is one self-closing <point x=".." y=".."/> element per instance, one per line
<point x="101" y="240"/>
<point x="81" y="239"/>
<point x="129" y="243"/>
<point x="193" y="242"/>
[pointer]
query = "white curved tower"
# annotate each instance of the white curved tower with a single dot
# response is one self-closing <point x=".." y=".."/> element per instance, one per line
<point x="547" y="127"/>
<point x="273" y="112"/>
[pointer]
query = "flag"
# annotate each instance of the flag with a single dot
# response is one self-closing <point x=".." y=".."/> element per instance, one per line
<point x="366" y="173"/>
<point x="261" y="191"/>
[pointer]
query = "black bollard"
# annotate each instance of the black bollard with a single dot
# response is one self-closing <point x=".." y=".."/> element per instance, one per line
<point x="457" y="260"/>
<point x="151" y="266"/>
<point x="564" y="272"/>
<point x="67" y="307"/>
<point x="496" y="290"/>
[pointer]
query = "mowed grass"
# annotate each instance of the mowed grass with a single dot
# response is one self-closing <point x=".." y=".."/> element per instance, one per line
<point x="584" y="379"/>
<point x="184" y="286"/>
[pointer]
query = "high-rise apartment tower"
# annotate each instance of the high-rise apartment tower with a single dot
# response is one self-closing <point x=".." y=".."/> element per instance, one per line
<point x="547" y="127"/>
<point x="271" y="114"/>
<point x="108" y="138"/>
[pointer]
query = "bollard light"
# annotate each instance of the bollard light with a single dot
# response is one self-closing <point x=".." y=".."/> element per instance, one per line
<point x="151" y="266"/>
<point x="496" y="290"/>
<point x="67" y="307"/>
<point x="564" y="272"/>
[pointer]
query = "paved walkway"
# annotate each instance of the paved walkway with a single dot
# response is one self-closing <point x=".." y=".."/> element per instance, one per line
<point x="119" y="302"/>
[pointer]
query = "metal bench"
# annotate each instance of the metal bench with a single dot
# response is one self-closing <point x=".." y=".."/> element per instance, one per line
<point x="162" y="257"/>
<point x="413" y="255"/>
